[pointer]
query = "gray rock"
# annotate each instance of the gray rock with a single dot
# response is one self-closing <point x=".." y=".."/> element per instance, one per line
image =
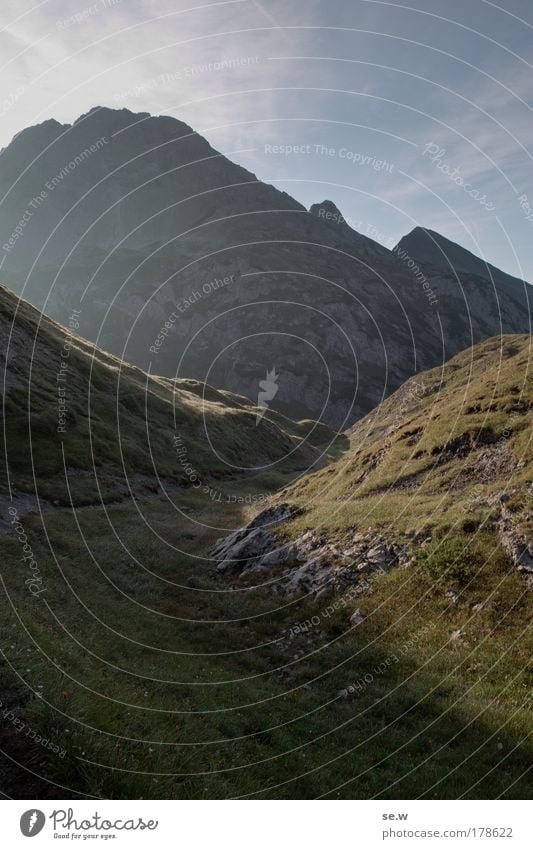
<point x="310" y="564"/>
<point x="378" y="554"/>
<point x="516" y="546"/>
<point x="242" y="548"/>
<point x="285" y="554"/>
<point x="357" y="617"/>
<point x="310" y="577"/>
<point x="354" y="551"/>
<point x="273" y="516"/>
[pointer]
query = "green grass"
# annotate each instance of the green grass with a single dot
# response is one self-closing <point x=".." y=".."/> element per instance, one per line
<point x="190" y="691"/>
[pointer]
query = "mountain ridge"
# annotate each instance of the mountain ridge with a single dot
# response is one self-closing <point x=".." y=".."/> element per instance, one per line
<point x="138" y="219"/>
<point x="329" y="206"/>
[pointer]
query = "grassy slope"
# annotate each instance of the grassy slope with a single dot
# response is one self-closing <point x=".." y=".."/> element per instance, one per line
<point x="108" y="404"/>
<point x="437" y="453"/>
<point x="191" y="690"/>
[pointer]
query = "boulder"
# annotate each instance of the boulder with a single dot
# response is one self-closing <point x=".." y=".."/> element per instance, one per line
<point x="246" y="547"/>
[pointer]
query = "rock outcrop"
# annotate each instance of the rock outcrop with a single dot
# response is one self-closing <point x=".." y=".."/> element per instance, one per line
<point x="307" y="565"/>
<point x="517" y="547"/>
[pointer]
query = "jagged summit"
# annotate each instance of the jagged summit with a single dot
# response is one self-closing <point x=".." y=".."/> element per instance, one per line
<point x="104" y="115"/>
<point x="329" y="213"/>
<point x="110" y="111"/>
<point x="38" y="132"/>
<point x="434" y="249"/>
<point x="327" y="208"/>
<point x="115" y="119"/>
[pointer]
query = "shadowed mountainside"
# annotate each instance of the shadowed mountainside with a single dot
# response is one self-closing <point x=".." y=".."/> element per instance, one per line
<point x="184" y="263"/>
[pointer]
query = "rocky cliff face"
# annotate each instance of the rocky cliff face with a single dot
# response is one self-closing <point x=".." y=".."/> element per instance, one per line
<point x="185" y="264"/>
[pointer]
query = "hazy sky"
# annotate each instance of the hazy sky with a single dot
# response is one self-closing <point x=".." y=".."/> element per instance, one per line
<point x="402" y="113"/>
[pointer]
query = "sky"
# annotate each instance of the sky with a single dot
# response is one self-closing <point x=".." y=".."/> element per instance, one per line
<point x="403" y="114"/>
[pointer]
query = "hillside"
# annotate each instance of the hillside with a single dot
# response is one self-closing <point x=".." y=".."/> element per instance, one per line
<point x="181" y="261"/>
<point x="448" y="457"/>
<point x="463" y="427"/>
<point x="82" y="426"/>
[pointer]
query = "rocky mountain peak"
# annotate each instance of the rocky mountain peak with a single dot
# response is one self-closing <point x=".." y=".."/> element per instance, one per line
<point x="328" y="211"/>
<point x="433" y="249"/>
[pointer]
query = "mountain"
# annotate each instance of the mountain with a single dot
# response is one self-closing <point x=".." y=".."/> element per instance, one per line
<point x="82" y="427"/>
<point x="188" y="266"/>
<point x="446" y="462"/>
<point x="432" y="250"/>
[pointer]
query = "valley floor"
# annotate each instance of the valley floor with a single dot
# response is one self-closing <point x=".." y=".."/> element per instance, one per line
<point x="120" y="682"/>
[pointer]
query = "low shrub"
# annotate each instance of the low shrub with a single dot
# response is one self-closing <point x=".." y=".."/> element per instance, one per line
<point x="449" y="560"/>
